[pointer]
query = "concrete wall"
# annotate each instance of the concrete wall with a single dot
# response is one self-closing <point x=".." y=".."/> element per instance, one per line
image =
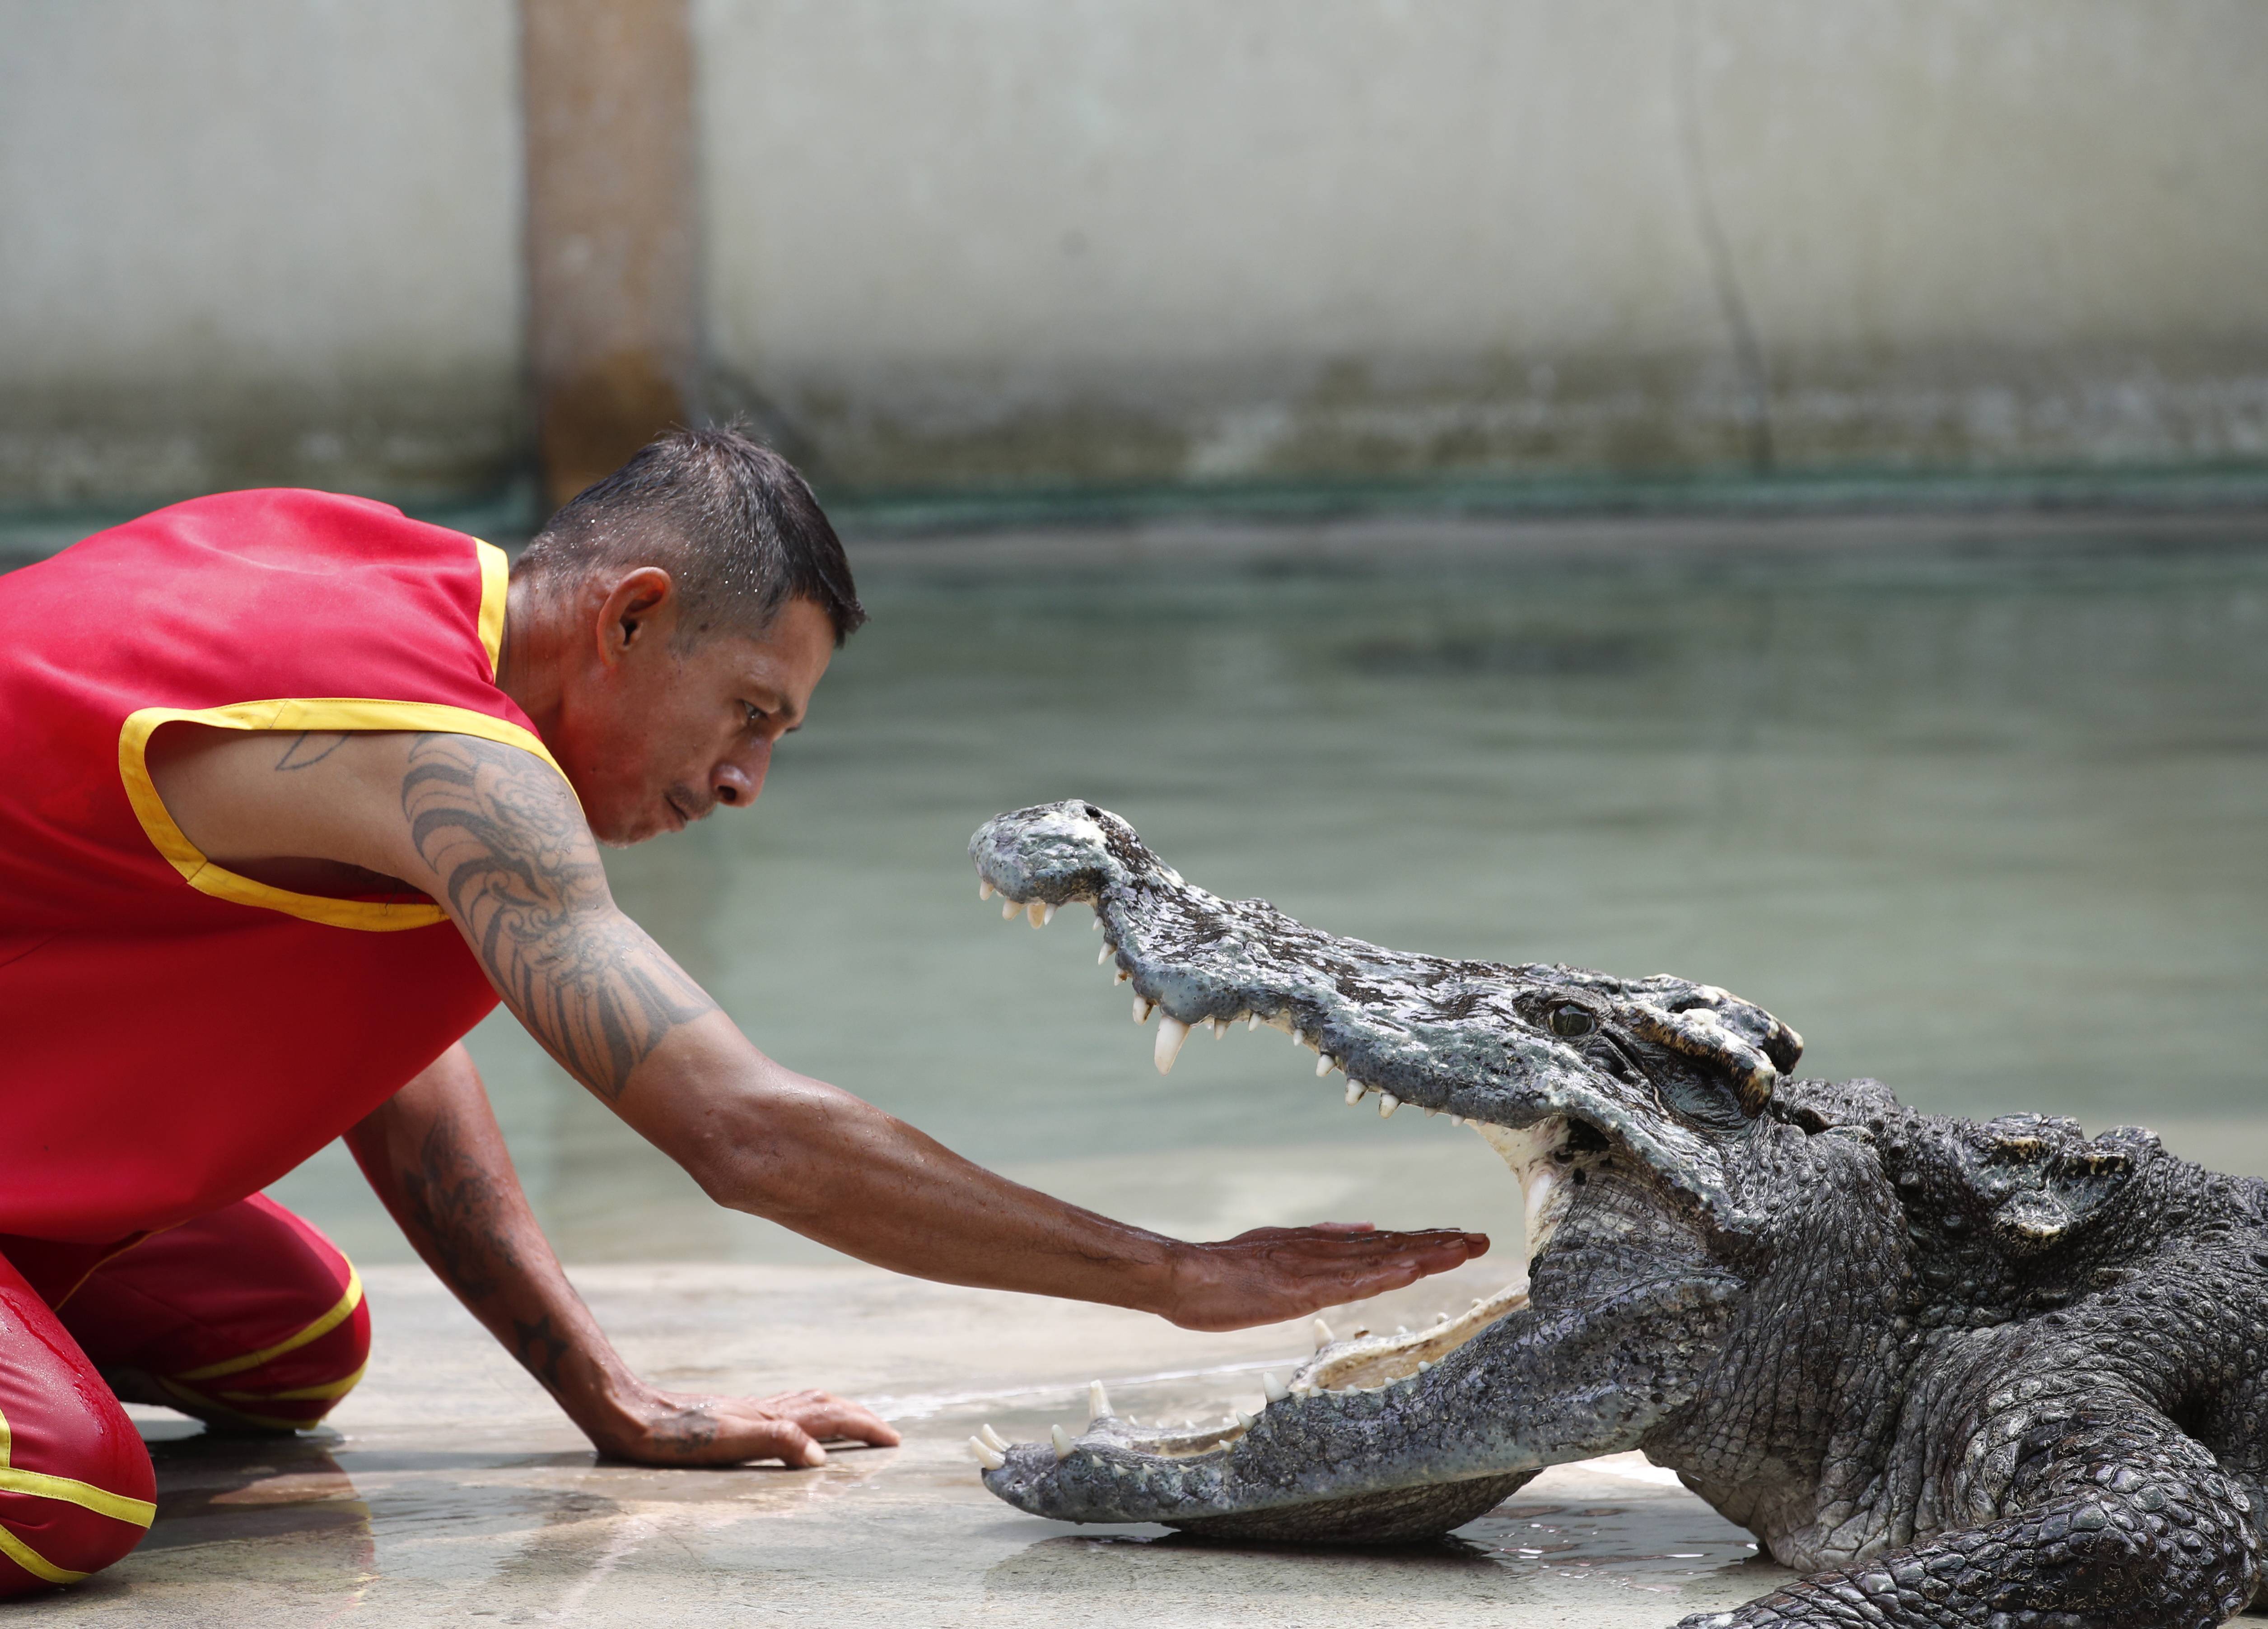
<point x="264" y="240"/>
<point x="1023" y="239"/>
<point x="952" y="241"/>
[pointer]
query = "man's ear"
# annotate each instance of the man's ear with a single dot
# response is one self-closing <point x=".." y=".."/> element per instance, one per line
<point x="640" y="605"/>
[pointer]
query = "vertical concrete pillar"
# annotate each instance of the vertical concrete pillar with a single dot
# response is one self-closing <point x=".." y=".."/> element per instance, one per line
<point x="611" y="224"/>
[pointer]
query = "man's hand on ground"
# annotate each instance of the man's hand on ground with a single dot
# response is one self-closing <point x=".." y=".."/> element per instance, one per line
<point x="683" y="1428"/>
<point x="1273" y="1273"/>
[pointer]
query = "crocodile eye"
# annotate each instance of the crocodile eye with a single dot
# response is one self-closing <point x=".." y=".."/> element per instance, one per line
<point x="1571" y="1022"/>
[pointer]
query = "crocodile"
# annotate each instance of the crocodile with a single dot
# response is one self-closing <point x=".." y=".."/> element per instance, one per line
<point x="1953" y="1373"/>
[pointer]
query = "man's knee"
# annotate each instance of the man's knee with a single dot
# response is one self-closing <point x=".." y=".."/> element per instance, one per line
<point x="56" y="1529"/>
<point x="77" y="1490"/>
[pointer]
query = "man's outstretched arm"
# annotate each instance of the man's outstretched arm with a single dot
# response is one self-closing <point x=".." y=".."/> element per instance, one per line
<point x="436" y="1159"/>
<point x="495" y="835"/>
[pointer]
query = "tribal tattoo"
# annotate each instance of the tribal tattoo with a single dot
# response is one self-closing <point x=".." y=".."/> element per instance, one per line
<point x="453" y="1199"/>
<point x="460" y="1216"/>
<point x="522" y="876"/>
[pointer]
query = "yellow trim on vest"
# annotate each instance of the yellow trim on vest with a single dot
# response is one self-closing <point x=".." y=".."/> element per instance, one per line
<point x="296" y="713"/>
<point x="315" y="1331"/>
<point x="496" y="582"/>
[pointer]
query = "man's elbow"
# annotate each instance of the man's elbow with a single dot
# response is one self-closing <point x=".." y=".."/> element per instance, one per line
<point x="744" y="1162"/>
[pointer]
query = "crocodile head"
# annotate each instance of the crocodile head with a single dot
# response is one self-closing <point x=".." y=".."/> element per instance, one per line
<point x="1623" y="1106"/>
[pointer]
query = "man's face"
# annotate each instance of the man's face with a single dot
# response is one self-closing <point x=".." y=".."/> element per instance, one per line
<point x="660" y="737"/>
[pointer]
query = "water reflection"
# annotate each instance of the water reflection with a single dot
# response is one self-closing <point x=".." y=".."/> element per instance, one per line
<point x="1524" y="1553"/>
<point x="1984" y="823"/>
<point x="1660" y="1543"/>
<point x="215" y="1488"/>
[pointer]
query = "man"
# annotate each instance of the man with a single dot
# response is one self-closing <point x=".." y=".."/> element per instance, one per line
<point x="298" y="787"/>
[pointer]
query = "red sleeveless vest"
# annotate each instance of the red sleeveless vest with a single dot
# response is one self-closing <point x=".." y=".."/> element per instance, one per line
<point x="174" y="1037"/>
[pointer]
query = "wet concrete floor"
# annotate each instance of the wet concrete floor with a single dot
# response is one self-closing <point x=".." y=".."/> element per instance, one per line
<point x="451" y="1493"/>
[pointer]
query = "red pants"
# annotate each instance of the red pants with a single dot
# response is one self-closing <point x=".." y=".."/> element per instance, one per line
<point x="247" y="1318"/>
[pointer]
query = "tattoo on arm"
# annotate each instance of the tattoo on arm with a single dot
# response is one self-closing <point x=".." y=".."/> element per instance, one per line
<point x="453" y="1200"/>
<point x="522" y="876"/>
<point x="456" y="1202"/>
<point x="310" y="747"/>
<point x="539" y="1347"/>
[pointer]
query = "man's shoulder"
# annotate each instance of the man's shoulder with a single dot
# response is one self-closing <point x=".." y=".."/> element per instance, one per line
<point x="249" y="604"/>
<point x="291" y="523"/>
<point x="279" y="531"/>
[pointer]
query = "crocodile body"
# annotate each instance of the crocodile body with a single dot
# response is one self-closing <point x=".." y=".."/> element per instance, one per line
<point x="1957" y="1374"/>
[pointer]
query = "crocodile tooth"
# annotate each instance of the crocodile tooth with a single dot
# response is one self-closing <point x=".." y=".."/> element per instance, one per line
<point x="1040" y="912"/>
<point x="1541" y="1186"/>
<point x="1323" y="1334"/>
<point x="1251" y="1022"/>
<point x="1387" y="1104"/>
<point x="993" y="1438"/>
<point x="1008" y="909"/>
<point x="984" y="888"/>
<point x="1098" y="919"/>
<point x="1098" y="1400"/>
<point x="1102" y="955"/>
<point x="1275" y="1389"/>
<point x="1061" y="1438"/>
<point x="1171" y="1033"/>
<point x="1443" y="1318"/>
<point x="1246" y="1421"/>
<point x="1121" y="976"/>
<point x="1219" y="1027"/>
<point x="1142" y="1009"/>
<point x="1322" y="1064"/>
<point x="1402" y="1331"/>
<point x="984" y="1454"/>
<point x="1355" y="1089"/>
<point x="1430" y="1111"/>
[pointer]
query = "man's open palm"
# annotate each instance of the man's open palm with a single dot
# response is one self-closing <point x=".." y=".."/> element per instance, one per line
<point x="1272" y="1274"/>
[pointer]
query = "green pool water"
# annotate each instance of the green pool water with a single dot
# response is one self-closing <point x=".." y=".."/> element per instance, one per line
<point x="1987" y="818"/>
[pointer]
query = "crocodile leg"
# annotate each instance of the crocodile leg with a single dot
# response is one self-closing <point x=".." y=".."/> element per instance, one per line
<point x="2110" y="1518"/>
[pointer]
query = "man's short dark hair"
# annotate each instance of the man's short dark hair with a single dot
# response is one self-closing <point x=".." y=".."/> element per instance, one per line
<point x="730" y="520"/>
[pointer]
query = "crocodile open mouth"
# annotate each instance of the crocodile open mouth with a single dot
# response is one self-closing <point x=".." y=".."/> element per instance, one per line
<point x="1361" y="1363"/>
<point x="1568" y="1074"/>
